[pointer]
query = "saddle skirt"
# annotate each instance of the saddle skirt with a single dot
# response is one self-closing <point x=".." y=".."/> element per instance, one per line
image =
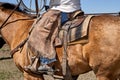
<point x="77" y="31"/>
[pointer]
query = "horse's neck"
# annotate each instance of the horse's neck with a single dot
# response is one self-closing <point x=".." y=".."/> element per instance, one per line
<point x="17" y="30"/>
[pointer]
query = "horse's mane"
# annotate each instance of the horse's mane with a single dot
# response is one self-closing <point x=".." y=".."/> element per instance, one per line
<point x="10" y="6"/>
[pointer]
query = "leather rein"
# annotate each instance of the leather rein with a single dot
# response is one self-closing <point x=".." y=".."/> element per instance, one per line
<point x="10" y="15"/>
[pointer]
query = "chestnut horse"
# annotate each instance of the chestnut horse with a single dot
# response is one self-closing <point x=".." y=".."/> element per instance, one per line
<point x="101" y="54"/>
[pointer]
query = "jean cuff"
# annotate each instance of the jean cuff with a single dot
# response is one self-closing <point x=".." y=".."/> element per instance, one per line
<point x="46" y="60"/>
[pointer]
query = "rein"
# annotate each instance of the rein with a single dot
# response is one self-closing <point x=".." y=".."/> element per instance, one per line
<point x="10" y="15"/>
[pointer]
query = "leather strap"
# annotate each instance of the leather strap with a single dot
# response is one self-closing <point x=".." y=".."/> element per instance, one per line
<point x="65" y="67"/>
<point x="10" y="15"/>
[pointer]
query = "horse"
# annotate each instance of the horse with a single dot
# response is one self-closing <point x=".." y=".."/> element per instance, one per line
<point x="101" y="54"/>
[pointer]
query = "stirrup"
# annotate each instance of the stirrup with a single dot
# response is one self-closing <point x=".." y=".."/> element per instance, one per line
<point x="46" y="69"/>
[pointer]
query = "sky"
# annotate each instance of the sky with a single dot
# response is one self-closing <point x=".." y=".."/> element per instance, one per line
<point x="93" y="6"/>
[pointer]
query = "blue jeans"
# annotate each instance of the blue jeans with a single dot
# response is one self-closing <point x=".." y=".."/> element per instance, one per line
<point x="64" y="17"/>
<point x="46" y="60"/>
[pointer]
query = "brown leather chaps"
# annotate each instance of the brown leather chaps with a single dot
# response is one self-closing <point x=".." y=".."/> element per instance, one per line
<point x="42" y="37"/>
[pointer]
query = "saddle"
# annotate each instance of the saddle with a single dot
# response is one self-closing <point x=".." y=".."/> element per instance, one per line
<point x="77" y="31"/>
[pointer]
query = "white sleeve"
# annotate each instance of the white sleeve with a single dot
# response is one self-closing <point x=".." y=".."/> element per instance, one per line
<point x="54" y="3"/>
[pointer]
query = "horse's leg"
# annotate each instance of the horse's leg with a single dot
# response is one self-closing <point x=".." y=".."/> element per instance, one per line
<point x="75" y="77"/>
<point x="2" y="42"/>
<point x="27" y="76"/>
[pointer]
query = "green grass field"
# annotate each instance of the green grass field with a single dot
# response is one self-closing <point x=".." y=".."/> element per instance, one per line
<point x="8" y="70"/>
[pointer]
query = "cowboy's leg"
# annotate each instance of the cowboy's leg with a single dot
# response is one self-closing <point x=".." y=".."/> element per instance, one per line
<point x="44" y="60"/>
<point x="41" y="40"/>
